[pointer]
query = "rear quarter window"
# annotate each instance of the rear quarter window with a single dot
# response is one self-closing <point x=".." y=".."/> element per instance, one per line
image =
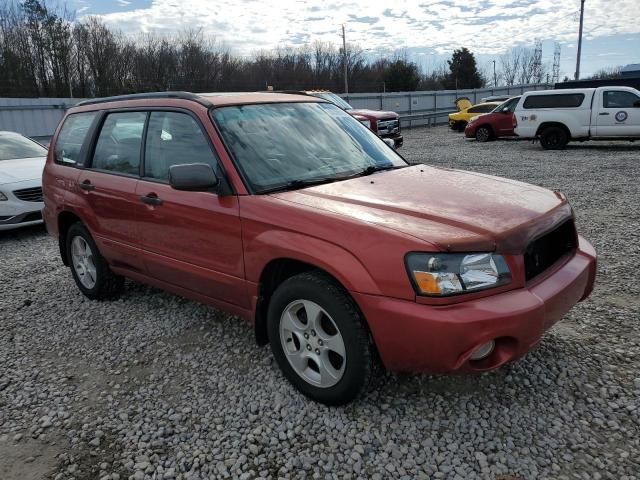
<point x="568" y="100"/>
<point x="71" y="137"/>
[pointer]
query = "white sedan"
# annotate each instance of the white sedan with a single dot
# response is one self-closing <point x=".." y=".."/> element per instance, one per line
<point x="21" y="164"/>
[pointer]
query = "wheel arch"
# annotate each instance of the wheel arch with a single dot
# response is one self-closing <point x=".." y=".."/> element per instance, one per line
<point x="274" y="273"/>
<point x="545" y="125"/>
<point x="66" y="218"/>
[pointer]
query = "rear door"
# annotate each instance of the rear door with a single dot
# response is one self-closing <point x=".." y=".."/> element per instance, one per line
<point x="107" y="188"/>
<point x="191" y="239"/>
<point x="616" y="115"/>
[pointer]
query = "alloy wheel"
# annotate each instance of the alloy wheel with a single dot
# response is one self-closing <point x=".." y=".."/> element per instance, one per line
<point x="312" y="343"/>
<point x="83" y="264"/>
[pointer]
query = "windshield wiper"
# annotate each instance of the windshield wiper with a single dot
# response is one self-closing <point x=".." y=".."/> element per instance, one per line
<point x="372" y="169"/>
<point x="296" y="184"/>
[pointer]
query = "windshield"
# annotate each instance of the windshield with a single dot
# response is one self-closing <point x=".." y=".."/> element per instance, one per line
<point x="14" y="146"/>
<point x="275" y="145"/>
<point x="333" y="98"/>
<point x="510" y="104"/>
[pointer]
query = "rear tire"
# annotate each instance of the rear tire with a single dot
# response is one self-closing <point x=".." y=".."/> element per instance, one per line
<point x="554" y="138"/>
<point x="90" y="270"/>
<point x="319" y="339"/>
<point x="483" y="134"/>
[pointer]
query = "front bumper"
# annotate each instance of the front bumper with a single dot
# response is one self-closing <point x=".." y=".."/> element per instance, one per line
<point x="470" y="130"/>
<point x="414" y="337"/>
<point x="14" y="212"/>
<point x="397" y="138"/>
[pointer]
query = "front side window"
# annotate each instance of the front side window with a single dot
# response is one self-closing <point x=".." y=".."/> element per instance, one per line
<point x="71" y="137"/>
<point x="172" y="139"/>
<point x="284" y="144"/>
<point x="14" y="146"/>
<point x="510" y="104"/>
<point x="618" y="99"/>
<point x="118" y="146"/>
<point x="481" y="109"/>
<point x="564" y="100"/>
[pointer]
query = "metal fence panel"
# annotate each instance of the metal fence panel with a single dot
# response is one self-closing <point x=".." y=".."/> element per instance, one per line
<point x="406" y="103"/>
<point x="34" y="117"/>
<point x="38" y="117"/>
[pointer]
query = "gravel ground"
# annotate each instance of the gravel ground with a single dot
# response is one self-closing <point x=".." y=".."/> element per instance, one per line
<point x="153" y="386"/>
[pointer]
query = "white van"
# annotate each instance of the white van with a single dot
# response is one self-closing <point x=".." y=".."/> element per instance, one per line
<point x="557" y="117"/>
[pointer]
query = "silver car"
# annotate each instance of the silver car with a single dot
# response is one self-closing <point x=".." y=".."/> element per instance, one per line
<point x="21" y="164"/>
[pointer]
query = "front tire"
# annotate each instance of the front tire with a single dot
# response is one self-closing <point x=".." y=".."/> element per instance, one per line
<point x="319" y="339"/>
<point x="90" y="270"/>
<point x="483" y="134"/>
<point x="554" y="138"/>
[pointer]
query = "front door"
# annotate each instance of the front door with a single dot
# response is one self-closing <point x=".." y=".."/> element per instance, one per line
<point x="191" y="239"/>
<point x="617" y="116"/>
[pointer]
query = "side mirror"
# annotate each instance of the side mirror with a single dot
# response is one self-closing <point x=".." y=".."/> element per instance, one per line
<point x="506" y="110"/>
<point x="390" y="142"/>
<point x="636" y="104"/>
<point x="195" y="177"/>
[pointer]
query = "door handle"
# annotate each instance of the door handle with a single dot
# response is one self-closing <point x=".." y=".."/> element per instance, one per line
<point x="151" y="199"/>
<point x="604" y="113"/>
<point x="87" y="186"/>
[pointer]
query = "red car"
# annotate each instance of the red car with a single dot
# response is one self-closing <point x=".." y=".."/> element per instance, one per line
<point x="288" y="212"/>
<point x="498" y="123"/>
<point x="385" y="124"/>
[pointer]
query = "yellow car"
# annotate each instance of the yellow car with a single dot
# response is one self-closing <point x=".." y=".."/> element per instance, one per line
<point x="458" y="121"/>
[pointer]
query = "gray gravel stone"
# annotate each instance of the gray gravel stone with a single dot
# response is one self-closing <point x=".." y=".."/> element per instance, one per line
<point x="153" y="386"/>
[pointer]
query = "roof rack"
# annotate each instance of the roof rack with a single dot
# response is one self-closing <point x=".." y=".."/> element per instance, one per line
<point x="147" y="96"/>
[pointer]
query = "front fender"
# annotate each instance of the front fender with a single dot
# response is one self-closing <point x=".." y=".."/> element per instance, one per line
<point x="332" y="258"/>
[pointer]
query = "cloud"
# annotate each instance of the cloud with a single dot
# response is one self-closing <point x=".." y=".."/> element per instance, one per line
<point x="485" y="26"/>
<point x="123" y="3"/>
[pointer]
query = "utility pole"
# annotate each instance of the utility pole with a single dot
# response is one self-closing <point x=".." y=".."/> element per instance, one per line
<point x="577" y="77"/>
<point x="495" y="79"/>
<point x="344" y="60"/>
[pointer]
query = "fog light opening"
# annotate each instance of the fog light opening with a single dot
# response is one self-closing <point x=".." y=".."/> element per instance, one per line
<point x="483" y="351"/>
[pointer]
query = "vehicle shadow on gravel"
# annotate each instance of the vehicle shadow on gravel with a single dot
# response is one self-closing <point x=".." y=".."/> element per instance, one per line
<point x="22" y="234"/>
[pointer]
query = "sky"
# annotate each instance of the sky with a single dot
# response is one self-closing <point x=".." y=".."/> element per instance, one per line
<point x="427" y="30"/>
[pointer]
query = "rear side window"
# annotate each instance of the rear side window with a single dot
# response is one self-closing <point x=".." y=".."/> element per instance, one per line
<point x="71" y="137"/>
<point x="118" y="146"/>
<point x="173" y="139"/>
<point x="618" y="99"/>
<point x="566" y="100"/>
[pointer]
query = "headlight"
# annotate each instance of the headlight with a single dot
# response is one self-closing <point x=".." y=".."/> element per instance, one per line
<point x="442" y="274"/>
<point x="366" y="123"/>
<point x="3" y="197"/>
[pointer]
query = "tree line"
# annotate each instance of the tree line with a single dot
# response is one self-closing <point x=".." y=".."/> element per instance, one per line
<point x="45" y="52"/>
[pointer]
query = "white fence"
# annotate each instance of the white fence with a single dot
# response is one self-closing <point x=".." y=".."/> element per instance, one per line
<point x="38" y="117"/>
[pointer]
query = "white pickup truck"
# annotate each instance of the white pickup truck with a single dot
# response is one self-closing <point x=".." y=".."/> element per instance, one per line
<point x="557" y="117"/>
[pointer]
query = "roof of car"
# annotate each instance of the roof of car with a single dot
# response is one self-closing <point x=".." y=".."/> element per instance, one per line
<point x="213" y="99"/>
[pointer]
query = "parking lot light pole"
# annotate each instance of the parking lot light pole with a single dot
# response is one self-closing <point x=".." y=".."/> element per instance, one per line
<point x="344" y="60"/>
<point x="580" y="40"/>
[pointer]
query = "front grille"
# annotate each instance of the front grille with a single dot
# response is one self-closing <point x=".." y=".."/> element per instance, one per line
<point x="543" y="252"/>
<point x="388" y="126"/>
<point x="29" y="194"/>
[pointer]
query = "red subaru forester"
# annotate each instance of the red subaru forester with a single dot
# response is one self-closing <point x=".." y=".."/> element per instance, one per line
<point x="288" y="212"/>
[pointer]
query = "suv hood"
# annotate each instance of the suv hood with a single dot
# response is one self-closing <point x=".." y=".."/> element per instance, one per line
<point x="377" y="114"/>
<point x="21" y="169"/>
<point x="452" y="210"/>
